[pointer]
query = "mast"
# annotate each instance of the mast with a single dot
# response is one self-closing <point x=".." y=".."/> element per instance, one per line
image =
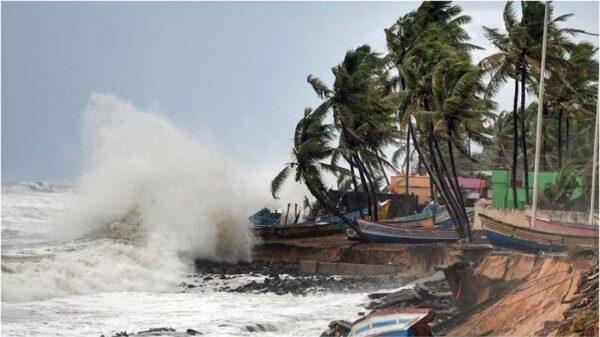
<point x="594" y="168"/>
<point x="538" y="128"/>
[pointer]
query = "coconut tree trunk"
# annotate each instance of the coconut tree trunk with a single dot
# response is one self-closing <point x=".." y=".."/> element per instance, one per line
<point x="363" y="181"/>
<point x="387" y="180"/>
<point x="407" y="161"/>
<point x="355" y="161"/>
<point x="356" y="192"/>
<point x="315" y="191"/>
<point x="453" y="166"/>
<point x="370" y="177"/>
<point x="446" y="182"/>
<point x="454" y="188"/>
<point x="567" y="130"/>
<point x="444" y="185"/>
<point x="523" y="131"/>
<point x="430" y="171"/>
<point x="560" y="118"/>
<point x="515" y="144"/>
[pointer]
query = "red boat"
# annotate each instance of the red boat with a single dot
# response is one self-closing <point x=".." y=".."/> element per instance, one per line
<point x="554" y="226"/>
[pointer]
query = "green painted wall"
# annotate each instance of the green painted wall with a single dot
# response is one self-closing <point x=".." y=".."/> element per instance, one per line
<point x="502" y="196"/>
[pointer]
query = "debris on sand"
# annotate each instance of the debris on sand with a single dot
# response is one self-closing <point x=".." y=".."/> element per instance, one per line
<point x="581" y="319"/>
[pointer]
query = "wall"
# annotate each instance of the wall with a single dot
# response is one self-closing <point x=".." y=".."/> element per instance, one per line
<point x="417" y="185"/>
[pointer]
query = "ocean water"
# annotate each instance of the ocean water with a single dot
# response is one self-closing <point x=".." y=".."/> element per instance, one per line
<point x="101" y="284"/>
<point x="110" y="254"/>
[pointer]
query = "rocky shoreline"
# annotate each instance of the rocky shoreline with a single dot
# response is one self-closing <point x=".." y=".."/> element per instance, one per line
<point x="280" y="278"/>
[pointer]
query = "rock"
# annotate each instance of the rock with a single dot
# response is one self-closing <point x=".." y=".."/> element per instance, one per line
<point x="260" y="328"/>
<point x="155" y="332"/>
<point x="337" y="328"/>
<point x="193" y="332"/>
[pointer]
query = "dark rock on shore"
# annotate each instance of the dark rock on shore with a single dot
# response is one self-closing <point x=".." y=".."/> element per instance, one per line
<point x="260" y="328"/>
<point x="280" y="278"/>
<point x="158" y="332"/>
<point x="337" y="328"/>
<point x="428" y="292"/>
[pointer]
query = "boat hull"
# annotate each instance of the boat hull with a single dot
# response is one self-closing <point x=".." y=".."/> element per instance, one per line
<point x="265" y="217"/>
<point x="380" y="233"/>
<point x="564" y="228"/>
<point x="394" y="322"/>
<point x="295" y="231"/>
<point x="505" y="235"/>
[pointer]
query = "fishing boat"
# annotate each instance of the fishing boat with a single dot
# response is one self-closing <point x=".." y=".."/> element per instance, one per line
<point x="265" y="217"/>
<point x="382" y="233"/>
<point x="442" y="220"/>
<point x="527" y="239"/>
<point x="394" y="322"/>
<point x="562" y="227"/>
<point x="299" y="230"/>
<point x="532" y="238"/>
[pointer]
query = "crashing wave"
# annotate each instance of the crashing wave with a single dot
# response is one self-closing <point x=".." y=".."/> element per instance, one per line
<point x="38" y="186"/>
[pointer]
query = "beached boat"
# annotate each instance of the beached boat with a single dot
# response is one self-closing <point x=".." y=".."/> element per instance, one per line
<point x="505" y="235"/>
<point x="562" y="227"/>
<point x="394" y="322"/>
<point x="442" y="220"/>
<point x="299" y="230"/>
<point x="382" y="233"/>
<point x="265" y="217"/>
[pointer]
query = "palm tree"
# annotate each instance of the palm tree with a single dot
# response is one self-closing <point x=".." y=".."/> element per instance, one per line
<point x="519" y="56"/>
<point x="311" y="148"/>
<point x="363" y="113"/>
<point x="406" y="33"/>
<point x="502" y="139"/>
<point x="570" y="100"/>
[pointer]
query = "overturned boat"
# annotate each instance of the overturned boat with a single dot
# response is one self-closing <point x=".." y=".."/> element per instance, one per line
<point x="394" y="322"/>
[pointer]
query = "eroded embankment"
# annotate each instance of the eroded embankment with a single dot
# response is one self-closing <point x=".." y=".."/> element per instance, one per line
<point x="518" y="295"/>
<point x="415" y="260"/>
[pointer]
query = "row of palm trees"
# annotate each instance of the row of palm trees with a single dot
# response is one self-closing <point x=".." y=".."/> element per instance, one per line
<point x="427" y="97"/>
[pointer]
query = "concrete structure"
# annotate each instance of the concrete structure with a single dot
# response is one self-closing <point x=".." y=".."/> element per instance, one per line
<point x="417" y="185"/>
<point x="420" y="186"/>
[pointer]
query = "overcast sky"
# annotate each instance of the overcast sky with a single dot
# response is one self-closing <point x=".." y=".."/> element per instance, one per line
<point x="230" y="74"/>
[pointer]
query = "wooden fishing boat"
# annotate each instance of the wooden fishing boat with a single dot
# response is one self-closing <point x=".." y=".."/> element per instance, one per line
<point x="265" y="217"/>
<point x="503" y="234"/>
<point x="382" y="233"/>
<point x="442" y="220"/>
<point x="394" y="322"/>
<point x="419" y="220"/>
<point x="304" y="229"/>
<point x="561" y="227"/>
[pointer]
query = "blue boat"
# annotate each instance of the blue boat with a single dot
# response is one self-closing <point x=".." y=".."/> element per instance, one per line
<point x="394" y="323"/>
<point x="530" y="240"/>
<point x="382" y="233"/>
<point x="265" y="217"/>
<point x="336" y="222"/>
